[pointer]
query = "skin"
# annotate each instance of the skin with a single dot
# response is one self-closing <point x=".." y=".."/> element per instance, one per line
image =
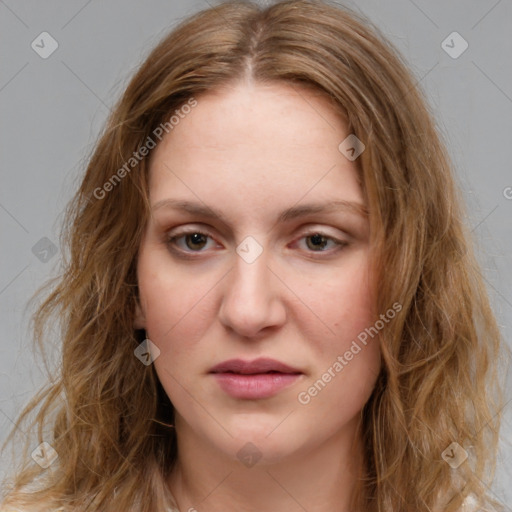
<point x="252" y="151"/>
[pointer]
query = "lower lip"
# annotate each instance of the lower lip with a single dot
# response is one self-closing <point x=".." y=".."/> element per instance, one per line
<point x="259" y="385"/>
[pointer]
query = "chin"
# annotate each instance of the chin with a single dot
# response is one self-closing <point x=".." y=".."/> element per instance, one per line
<point x="266" y="444"/>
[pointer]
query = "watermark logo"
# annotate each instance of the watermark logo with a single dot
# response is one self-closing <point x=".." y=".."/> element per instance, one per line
<point x="44" y="250"/>
<point x="454" y="455"/>
<point x="351" y="147"/>
<point x="44" y="455"/>
<point x="147" y="352"/>
<point x="249" y="455"/>
<point x="249" y="249"/>
<point x="44" y="45"/>
<point x="454" y="45"/>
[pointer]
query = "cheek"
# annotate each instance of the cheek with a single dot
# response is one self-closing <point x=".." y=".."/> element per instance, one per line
<point x="348" y="357"/>
<point x="178" y="312"/>
<point x="343" y="301"/>
<point x="175" y="304"/>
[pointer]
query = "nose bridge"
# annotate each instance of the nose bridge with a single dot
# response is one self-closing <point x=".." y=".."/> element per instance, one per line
<point x="251" y="299"/>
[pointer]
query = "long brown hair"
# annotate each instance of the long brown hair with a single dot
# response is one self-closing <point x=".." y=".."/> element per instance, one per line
<point x="107" y="414"/>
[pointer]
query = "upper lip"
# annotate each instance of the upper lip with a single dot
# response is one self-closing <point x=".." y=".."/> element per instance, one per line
<point x="261" y="365"/>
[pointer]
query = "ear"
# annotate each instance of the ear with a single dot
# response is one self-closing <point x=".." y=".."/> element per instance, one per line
<point x="139" y="321"/>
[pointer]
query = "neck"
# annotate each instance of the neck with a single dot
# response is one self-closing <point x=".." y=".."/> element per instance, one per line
<point x="319" y="478"/>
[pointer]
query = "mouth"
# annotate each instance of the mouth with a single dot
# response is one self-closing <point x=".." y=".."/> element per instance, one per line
<point x="258" y="366"/>
<point x="252" y="380"/>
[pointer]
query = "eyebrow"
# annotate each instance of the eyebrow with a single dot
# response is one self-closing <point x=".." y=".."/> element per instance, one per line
<point x="291" y="213"/>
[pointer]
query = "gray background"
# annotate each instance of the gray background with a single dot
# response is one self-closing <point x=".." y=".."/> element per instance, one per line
<point x="52" y="109"/>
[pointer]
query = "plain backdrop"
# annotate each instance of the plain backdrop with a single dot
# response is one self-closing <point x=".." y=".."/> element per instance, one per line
<point x="52" y="108"/>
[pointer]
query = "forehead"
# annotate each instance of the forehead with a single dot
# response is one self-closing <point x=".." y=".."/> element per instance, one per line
<point x="256" y="115"/>
<point x="274" y="140"/>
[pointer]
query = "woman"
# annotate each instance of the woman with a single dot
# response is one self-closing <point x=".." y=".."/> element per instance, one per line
<point x="270" y="302"/>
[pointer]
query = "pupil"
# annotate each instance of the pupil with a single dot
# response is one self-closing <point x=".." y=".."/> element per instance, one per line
<point x="318" y="241"/>
<point x="197" y="239"/>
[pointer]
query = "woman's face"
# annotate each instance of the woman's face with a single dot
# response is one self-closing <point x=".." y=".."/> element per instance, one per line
<point x="258" y="248"/>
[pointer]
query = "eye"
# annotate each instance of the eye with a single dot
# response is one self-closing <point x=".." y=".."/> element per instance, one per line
<point x="320" y="242"/>
<point x="194" y="241"/>
<point x="190" y="241"/>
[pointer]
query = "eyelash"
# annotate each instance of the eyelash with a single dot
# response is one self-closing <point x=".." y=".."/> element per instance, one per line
<point x="170" y="241"/>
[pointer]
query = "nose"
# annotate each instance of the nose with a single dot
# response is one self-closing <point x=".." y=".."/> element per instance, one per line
<point x="252" y="301"/>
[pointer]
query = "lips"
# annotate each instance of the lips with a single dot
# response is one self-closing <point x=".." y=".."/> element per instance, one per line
<point x="254" y="380"/>
<point x="258" y="366"/>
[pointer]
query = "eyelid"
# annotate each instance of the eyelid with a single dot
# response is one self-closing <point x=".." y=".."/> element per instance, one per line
<point x="331" y="232"/>
<point x="311" y="229"/>
<point x="205" y="231"/>
<point x="187" y="230"/>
